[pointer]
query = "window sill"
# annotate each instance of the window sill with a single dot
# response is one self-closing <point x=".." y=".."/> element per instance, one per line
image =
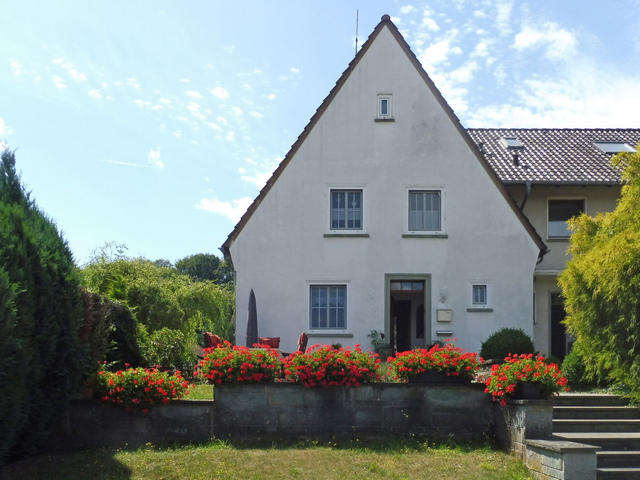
<point x="384" y="120"/>
<point x="558" y="239"/>
<point x="346" y="235"/>
<point x="329" y="333"/>
<point x="425" y="235"/>
<point x="479" y="309"/>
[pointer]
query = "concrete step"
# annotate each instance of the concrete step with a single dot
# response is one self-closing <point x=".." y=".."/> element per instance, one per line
<point x="604" y="413"/>
<point x="606" y="440"/>
<point x="618" y="459"/>
<point x="618" y="473"/>
<point x="589" y="399"/>
<point x="596" y="425"/>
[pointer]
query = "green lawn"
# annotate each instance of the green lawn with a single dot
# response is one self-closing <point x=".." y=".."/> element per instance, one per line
<point x="392" y="459"/>
<point x="202" y="391"/>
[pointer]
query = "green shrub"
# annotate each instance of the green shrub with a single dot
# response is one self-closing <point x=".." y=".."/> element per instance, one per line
<point x="504" y="342"/>
<point x="172" y="349"/>
<point x="574" y="369"/>
<point x="42" y="358"/>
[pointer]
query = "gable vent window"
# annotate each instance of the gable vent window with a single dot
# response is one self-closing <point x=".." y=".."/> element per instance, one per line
<point x="512" y="143"/>
<point x="614" y="147"/>
<point x="384" y="107"/>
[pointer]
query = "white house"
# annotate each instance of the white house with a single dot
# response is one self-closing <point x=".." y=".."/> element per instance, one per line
<point x="387" y="215"/>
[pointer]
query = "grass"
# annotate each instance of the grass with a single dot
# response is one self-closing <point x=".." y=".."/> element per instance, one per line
<point x="389" y="460"/>
<point x="201" y="391"/>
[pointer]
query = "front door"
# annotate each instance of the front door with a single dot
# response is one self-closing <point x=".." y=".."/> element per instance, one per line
<point x="408" y="310"/>
<point x="403" y="325"/>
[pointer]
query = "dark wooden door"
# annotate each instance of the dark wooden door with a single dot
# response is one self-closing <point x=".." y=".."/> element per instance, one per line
<point x="558" y="330"/>
<point x="403" y="327"/>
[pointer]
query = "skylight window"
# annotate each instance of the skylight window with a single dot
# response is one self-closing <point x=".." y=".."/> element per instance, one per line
<point x="512" y="143"/>
<point x="614" y="147"/>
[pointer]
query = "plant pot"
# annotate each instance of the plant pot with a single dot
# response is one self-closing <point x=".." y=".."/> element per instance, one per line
<point x="437" y="377"/>
<point x="529" y="391"/>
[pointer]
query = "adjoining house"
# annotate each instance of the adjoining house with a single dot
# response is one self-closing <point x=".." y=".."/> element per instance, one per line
<point x="388" y="215"/>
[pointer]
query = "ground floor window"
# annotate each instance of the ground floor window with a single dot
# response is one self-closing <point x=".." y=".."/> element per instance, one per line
<point x="328" y="306"/>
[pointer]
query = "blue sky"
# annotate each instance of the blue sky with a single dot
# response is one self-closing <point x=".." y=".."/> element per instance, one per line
<point x="154" y="124"/>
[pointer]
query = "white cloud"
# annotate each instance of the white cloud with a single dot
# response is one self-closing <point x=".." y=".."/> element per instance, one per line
<point x="95" y="93"/>
<point x="74" y="72"/>
<point x="271" y="96"/>
<point x="405" y="9"/>
<point x="428" y="22"/>
<point x="222" y="120"/>
<point x="242" y="170"/>
<point x="259" y="179"/>
<point x="214" y="126"/>
<point x="464" y="73"/>
<point x="233" y="210"/>
<point x="142" y="103"/>
<point x="503" y="17"/>
<point x="126" y="164"/>
<point x="17" y="67"/>
<point x="255" y="114"/>
<point x="230" y="137"/>
<point x="438" y="52"/>
<point x="397" y="21"/>
<point x="257" y="71"/>
<point x="194" y="109"/>
<point x="220" y="92"/>
<point x="558" y="42"/>
<point x="132" y="82"/>
<point x="177" y="133"/>
<point x="585" y="97"/>
<point x="166" y="101"/>
<point x="4" y="128"/>
<point x="153" y="157"/>
<point x="481" y="49"/>
<point x="58" y="81"/>
<point x="294" y="70"/>
<point x="229" y="49"/>
<point x="58" y="60"/>
<point x="157" y="107"/>
<point x="193" y="94"/>
<point x="185" y="80"/>
<point x="237" y="111"/>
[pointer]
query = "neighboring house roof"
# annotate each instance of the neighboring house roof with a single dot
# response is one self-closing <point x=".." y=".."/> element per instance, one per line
<point x="554" y="155"/>
<point x="385" y="21"/>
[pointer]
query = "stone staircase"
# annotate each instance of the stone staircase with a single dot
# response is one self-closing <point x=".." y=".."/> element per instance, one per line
<point x="606" y="421"/>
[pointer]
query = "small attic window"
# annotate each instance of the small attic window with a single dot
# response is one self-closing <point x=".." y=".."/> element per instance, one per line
<point x="384" y="107"/>
<point x="512" y="143"/>
<point x="614" y="147"/>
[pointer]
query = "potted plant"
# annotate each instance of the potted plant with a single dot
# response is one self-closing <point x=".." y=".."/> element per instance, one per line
<point x="438" y="364"/>
<point x="524" y="376"/>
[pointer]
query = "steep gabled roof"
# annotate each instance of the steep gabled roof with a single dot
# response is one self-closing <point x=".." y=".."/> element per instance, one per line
<point x="385" y="21"/>
<point x="554" y="155"/>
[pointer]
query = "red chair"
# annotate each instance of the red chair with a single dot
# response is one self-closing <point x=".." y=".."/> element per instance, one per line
<point x="302" y="342"/>
<point x="211" y="340"/>
<point x="273" y="342"/>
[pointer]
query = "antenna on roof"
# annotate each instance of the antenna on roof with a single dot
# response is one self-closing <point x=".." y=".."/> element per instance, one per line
<point x="356" y="33"/>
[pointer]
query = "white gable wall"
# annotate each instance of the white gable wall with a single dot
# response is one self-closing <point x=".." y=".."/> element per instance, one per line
<point x="281" y="249"/>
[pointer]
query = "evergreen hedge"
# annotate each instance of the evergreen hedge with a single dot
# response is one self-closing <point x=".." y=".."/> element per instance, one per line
<point x="41" y="357"/>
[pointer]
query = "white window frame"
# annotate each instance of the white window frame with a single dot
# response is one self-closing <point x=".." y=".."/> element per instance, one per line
<point x="347" y="231"/>
<point x="584" y="202"/>
<point x="389" y="98"/>
<point x="421" y="188"/>
<point x="328" y="283"/>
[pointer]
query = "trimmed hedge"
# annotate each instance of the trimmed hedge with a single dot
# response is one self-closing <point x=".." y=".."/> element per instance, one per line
<point x="504" y="342"/>
<point x="41" y="357"/>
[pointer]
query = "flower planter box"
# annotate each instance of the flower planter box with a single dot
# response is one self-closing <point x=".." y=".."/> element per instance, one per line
<point x="529" y="391"/>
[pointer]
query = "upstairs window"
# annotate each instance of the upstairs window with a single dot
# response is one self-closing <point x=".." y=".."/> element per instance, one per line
<point x="425" y="210"/>
<point x="384" y="106"/>
<point x="346" y="210"/>
<point x="559" y="212"/>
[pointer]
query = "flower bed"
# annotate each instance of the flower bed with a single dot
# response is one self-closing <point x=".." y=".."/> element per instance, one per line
<point x="448" y="359"/>
<point x="324" y="366"/>
<point x="524" y="368"/>
<point x="235" y="364"/>
<point x="138" y="388"/>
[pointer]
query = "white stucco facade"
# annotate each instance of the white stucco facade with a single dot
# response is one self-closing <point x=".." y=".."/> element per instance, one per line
<point x="286" y="244"/>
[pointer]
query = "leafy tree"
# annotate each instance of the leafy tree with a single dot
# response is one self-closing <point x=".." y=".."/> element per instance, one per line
<point x="601" y="285"/>
<point x="161" y="297"/>
<point x="41" y="357"/>
<point x="205" y="266"/>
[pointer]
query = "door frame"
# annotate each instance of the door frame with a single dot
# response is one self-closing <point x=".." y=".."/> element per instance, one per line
<point x="423" y="277"/>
